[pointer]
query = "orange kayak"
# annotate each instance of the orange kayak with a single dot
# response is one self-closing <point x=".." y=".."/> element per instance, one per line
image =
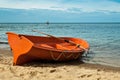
<point x="26" y="48"/>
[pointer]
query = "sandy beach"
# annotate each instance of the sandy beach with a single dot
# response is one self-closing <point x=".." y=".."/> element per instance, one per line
<point x="73" y="70"/>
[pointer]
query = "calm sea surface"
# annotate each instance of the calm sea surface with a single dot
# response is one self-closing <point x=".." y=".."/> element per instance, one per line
<point x="104" y="39"/>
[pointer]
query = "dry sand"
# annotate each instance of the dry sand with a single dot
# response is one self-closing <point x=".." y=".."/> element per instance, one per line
<point x="74" y="70"/>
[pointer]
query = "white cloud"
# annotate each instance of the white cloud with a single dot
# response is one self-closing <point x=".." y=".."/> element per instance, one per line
<point x="64" y="5"/>
<point x="26" y="4"/>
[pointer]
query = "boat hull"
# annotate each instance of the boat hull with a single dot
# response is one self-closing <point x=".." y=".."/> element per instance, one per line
<point x="26" y="48"/>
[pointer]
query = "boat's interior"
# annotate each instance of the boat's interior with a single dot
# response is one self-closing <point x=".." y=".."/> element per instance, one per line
<point x="62" y="46"/>
<point x="53" y="43"/>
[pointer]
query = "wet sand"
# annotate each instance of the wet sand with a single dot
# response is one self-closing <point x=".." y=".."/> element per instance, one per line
<point x="73" y="70"/>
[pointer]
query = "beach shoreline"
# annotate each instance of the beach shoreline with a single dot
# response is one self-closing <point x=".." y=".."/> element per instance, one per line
<point x="73" y="70"/>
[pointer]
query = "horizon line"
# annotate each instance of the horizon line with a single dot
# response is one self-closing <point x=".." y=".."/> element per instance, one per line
<point x="55" y="22"/>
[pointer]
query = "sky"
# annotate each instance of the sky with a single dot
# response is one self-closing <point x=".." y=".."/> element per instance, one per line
<point x="59" y="11"/>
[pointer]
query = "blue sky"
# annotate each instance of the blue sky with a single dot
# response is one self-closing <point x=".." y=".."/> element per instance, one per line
<point x="59" y="10"/>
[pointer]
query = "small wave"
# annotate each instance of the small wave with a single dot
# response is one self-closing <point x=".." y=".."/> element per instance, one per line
<point x="3" y="42"/>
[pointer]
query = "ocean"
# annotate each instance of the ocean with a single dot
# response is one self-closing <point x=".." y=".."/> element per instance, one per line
<point x="104" y="38"/>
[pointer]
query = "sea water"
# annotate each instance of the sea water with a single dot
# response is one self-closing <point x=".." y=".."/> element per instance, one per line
<point x="104" y="38"/>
